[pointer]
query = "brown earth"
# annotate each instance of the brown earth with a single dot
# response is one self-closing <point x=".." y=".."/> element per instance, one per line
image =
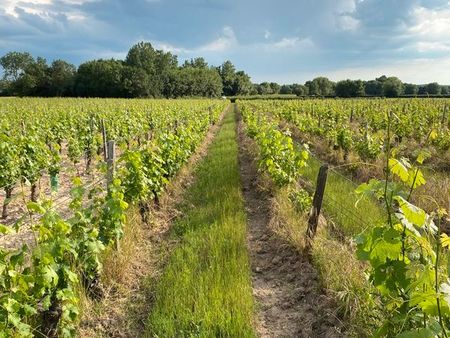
<point x="290" y="302"/>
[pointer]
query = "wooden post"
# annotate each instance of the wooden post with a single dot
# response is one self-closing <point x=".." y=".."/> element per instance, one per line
<point x="105" y="149"/>
<point x="317" y="202"/>
<point x="211" y="119"/>
<point x="444" y="115"/>
<point x="110" y="163"/>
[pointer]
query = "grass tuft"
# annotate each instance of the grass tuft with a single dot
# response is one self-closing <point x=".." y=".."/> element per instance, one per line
<point x="205" y="290"/>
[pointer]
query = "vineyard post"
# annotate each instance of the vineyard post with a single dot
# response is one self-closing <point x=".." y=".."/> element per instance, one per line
<point x="317" y="203"/>
<point x="105" y="155"/>
<point x="110" y="162"/>
<point x="444" y="115"/>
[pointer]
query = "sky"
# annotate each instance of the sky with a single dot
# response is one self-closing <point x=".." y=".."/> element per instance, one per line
<point x="286" y="41"/>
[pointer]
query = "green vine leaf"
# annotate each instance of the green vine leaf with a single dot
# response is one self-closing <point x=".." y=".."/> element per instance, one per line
<point x="400" y="168"/>
<point x="413" y="214"/>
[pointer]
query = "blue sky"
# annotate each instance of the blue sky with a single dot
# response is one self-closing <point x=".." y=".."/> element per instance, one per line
<point x="285" y="41"/>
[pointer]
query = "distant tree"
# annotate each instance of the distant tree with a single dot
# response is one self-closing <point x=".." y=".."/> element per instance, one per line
<point x="423" y="90"/>
<point x="275" y="87"/>
<point x="445" y="90"/>
<point x="381" y="79"/>
<point x="434" y="88"/>
<point x="321" y="86"/>
<point x="373" y="88"/>
<point x="286" y="89"/>
<point x="411" y="89"/>
<point x="4" y="86"/>
<point x="227" y="72"/>
<point x="196" y="82"/>
<point x="135" y="82"/>
<point x="242" y="84"/>
<point x="14" y="64"/>
<point x="156" y="63"/>
<point x="61" y="77"/>
<point x="264" y="88"/>
<point x="299" y="90"/>
<point x="392" y="87"/>
<point x="100" y="78"/>
<point x="196" y="63"/>
<point x="350" y="88"/>
<point x="33" y="80"/>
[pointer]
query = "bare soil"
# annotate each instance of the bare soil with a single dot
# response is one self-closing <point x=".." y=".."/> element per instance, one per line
<point x="17" y="211"/>
<point x="290" y="302"/>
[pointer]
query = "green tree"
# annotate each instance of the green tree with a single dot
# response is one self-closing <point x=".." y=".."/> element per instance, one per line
<point x="434" y="88"/>
<point x="34" y="81"/>
<point x="350" y="88"/>
<point x="321" y="86"/>
<point x="373" y="88"/>
<point x="392" y="87"/>
<point x="196" y="63"/>
<point x="196" y="82"/>
<point x="14" y="64"/>
<point x="62" y="78"/>
<point x="275" y="87"/>
<point x="300" y="90"/>
<point x="242" y="84"/>
<point x="100" y="78"/>
<point x="227" y="72"/>
<point x="264" y="88"/>
<point x="156" y="63"/>
<point x="411" y="89"/>
<point x="286" y="89"/>
<point x="135" y="82"/>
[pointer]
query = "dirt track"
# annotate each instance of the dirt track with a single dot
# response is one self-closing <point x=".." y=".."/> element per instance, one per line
<point x="289" y="300"/>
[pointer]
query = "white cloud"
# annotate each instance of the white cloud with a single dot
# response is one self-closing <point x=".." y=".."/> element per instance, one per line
<point x="345" y="6"/>
<point x="223" y="43"/>
<point x="9" y="6"/>
<point x="46" y="9"/>
<point x="291" y="43"/>
<point x="167" y="47"/>
<point x="431" y="29"/>
<point x="432" y="46"/>
<point x="267" y="34"/>
<point x="431" y="23"/>
<point x="347" y="23"/>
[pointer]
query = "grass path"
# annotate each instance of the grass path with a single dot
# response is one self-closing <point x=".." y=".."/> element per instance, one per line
<point x="205" y="289"/>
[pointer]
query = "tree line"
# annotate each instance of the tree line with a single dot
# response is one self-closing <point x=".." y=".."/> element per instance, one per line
<point x="145" y="72"/>
<point x="149" y="72"/>
<point x="382" y="86"/>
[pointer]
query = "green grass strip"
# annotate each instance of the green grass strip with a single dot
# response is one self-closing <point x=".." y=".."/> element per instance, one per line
<point x="340" y="199"/>
<point x="205" y="290"/>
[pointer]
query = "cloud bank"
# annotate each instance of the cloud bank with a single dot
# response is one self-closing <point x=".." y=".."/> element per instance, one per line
<point x="287" y="41"/>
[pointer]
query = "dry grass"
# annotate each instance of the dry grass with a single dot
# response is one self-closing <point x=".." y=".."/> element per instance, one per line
<point x="285" y="220"/>
<point x="341" y="274"/>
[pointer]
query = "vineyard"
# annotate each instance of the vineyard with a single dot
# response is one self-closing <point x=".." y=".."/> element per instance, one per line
<point x="66" y="139"/>
<point x="292" y="218"/>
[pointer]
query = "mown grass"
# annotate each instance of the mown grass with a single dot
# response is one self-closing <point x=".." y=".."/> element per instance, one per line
<point x="205" y="290"/>
<point x="341" y="203"/>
